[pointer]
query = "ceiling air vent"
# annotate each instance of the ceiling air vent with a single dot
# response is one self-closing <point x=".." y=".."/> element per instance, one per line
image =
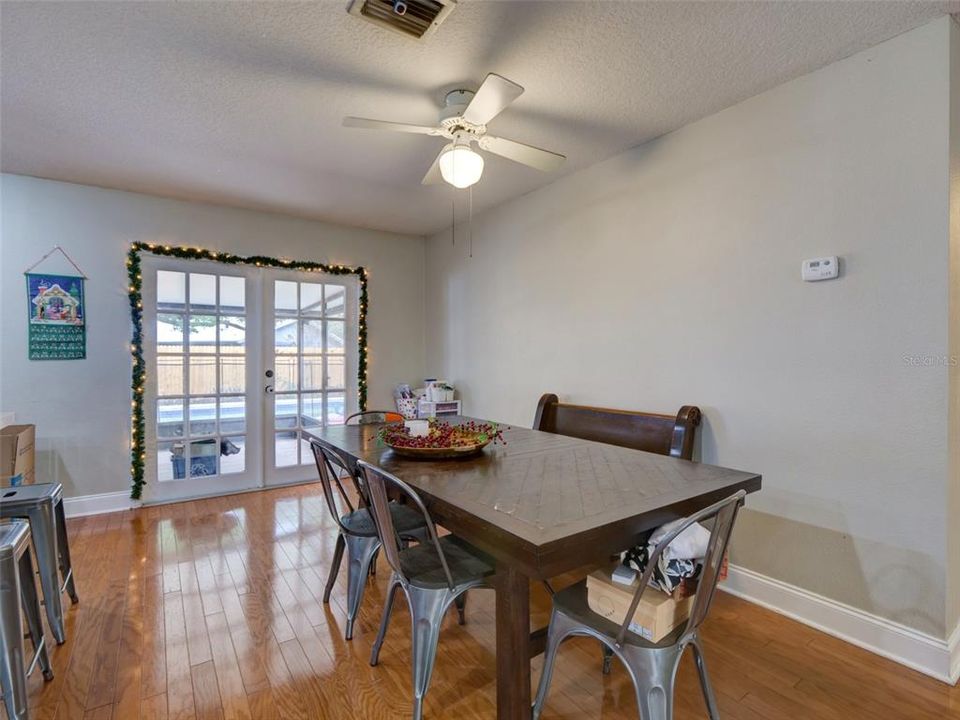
<point x="413" y="18"/>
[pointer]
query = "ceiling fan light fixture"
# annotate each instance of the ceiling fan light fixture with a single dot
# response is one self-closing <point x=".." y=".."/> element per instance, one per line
<point x="460" y="166"/>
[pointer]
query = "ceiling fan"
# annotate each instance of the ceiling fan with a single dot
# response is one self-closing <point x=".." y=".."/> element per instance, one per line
<point x="463" y="121"/>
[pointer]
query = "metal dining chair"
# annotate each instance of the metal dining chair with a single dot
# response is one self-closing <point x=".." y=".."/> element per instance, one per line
<point x="358" y="533"/>
<point x="373" y="417"/>
<point x="433" y="576"/>
<point x="651" y="666"/>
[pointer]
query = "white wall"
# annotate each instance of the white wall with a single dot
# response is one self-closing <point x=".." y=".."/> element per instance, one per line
<point x="82" y="408"/>
<point x="670" y="275"/>
<point x="953" y="524"/>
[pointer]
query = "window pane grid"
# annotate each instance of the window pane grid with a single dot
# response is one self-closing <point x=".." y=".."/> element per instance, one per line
<point x="201" y="371"/>
<point x="309" y="364"/>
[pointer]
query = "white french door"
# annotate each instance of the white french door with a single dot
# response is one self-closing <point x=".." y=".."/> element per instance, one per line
<point x="240" y="362"/>
<point x="310" y="361"/>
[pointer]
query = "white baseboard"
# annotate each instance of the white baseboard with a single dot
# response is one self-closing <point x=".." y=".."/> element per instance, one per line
<point x="97" y="504"/>
<point x="930" y="655"/>
<point x="953" y="645"/>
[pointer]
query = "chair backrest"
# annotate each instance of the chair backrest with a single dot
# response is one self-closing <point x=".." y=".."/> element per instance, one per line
<point x="652" y="432"/>
<point x="724" y="514"/>
<point x="371" y="417"/>
<point x="329" y="463"/>
<point x="376" y="480"/>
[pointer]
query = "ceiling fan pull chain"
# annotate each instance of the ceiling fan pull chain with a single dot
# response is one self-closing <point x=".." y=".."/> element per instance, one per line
<point x="470" y="223"/>
<point x="453" y="210"/>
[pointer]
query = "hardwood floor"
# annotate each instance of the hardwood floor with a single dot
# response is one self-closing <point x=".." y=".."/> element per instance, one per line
<point x="212" y="609"/>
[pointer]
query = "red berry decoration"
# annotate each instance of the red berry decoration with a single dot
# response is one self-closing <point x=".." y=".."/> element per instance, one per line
<point x="443" y="436"/>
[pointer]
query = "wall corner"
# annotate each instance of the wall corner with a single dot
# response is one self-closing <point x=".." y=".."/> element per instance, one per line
<point x="952" y="619"/>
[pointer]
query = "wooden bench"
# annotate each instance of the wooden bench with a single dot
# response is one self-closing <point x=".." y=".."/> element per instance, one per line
<point x="652" y="432"/>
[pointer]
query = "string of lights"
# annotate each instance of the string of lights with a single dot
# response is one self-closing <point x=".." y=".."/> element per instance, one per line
<point x="138" y="453"/>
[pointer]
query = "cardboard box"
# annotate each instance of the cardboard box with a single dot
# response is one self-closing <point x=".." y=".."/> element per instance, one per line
<point x="657" y="615"/>
<point x="17" y="455"/>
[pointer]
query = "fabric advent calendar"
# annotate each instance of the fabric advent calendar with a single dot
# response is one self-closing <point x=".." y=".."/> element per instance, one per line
<point x="57" y="328"/>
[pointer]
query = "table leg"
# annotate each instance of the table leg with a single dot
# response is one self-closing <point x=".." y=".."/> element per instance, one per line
<point x="513" y="638"/>
<point x="538" y="641"/>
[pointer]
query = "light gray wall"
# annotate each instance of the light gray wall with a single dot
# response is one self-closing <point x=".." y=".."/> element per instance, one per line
<point x="670" y="274"/>
<point x="953" y="495"/>
<point x="82" y="408"/>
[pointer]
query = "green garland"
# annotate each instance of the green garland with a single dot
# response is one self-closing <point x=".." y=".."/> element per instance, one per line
<point x="138" y="454"/>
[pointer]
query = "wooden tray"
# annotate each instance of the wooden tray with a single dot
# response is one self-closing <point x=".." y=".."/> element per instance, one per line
<point x="447" y="453"/>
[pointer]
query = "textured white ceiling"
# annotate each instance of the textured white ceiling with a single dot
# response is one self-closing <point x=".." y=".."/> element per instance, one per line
<point x="240" y="103"/>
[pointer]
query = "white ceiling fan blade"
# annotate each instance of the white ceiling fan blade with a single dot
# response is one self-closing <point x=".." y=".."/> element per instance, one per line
<point x="494" y="95"/>
<point x="433" y="175"/>
<point x="368" y="124"/>
<point x="525" y="154"/>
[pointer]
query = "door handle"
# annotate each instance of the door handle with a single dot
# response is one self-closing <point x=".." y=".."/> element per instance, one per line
<point x="268" y="389"/>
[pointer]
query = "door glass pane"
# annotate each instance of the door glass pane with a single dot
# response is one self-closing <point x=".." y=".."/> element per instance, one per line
<point x="336" y="408"/>
<point x="203" y="291"/>
<point x="170" y="333"/>
<point x="285" y="296"/>
<point x="311" y="414"/>
<point x="232" y="454"/>
<point x="170" y="375"/>
<point x="285" y="336"/>
<point x="233" y="416"/>
<point x="311" y="298"/>
<point x="233" y="374"/>
<point x="336" y="371"/>
<point x="203" y="375"/>
<point x="171" y="290"/>
<point x="312" y="336"/>
<point x="203" y="416"/>
<point x="313" y="372"/>
<point x="334" y="300"/>
<point x="167" y="458"/>
<point x="233" y="333"/>
<point x="285" y="373"/>
<point x="170" y="418"/>
<point x="203" y="333"/>
<point x="203" y="457"/>
<point x="232" y="294"/>
<point x="311" y="386"/>
<point x="286" y="448"/>
<point x="285" y="410"/>
<point x="335" y="335"/>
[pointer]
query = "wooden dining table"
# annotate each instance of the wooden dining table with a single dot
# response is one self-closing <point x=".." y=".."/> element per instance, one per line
<point x="541" y="505"/>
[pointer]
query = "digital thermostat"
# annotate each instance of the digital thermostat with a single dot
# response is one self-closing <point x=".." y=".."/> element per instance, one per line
<point x="825" y="268"/>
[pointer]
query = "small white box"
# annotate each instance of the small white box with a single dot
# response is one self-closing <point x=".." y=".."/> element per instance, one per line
<point x="417" y="428"/>
<point x="428" y="408"/>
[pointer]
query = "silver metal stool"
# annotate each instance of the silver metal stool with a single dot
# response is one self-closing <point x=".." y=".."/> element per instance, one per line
<point x="18" y="590"/>
<point x="42" y="505"/>
<point x="652" y="666"/>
